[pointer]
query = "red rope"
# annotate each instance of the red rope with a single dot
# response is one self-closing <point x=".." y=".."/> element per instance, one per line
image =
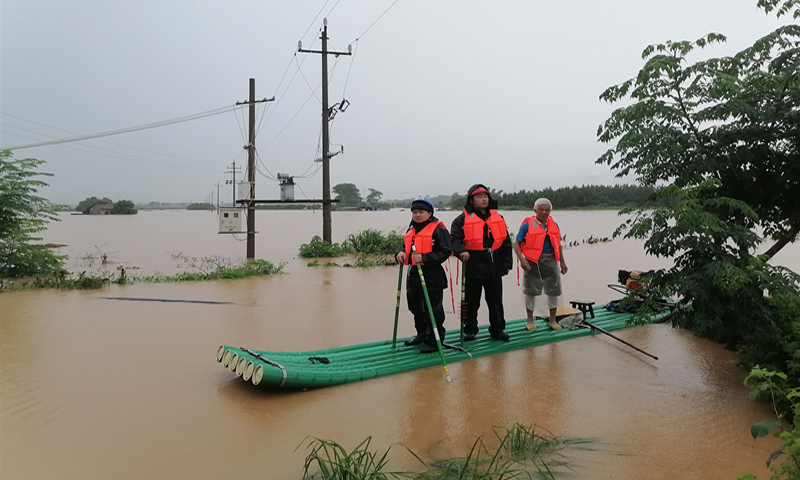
<point x="452" y="298"/>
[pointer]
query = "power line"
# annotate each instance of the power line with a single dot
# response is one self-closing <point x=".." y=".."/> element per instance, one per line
<point x="104" y="141"/>
<point x="376" y="20"/>
<point x="306" y="80"/>
<point x="117" y="156"/>
<point x="146" y="126"/>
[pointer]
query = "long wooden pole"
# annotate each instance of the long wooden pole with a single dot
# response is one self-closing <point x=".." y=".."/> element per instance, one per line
<point x="618" y="339"/>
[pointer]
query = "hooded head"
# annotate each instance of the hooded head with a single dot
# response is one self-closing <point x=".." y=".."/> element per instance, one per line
<point x="474" y="190"/>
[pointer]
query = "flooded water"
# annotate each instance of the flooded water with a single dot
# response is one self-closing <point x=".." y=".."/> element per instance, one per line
<point x="95" y="388"/>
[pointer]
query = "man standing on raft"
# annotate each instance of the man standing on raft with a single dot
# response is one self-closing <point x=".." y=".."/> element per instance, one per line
<point x="538" y="247"/>
<point x="479" y="237"/>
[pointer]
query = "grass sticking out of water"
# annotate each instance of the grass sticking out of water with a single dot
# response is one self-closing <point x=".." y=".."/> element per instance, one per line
<point x="330" y="461"/>
<point x="523" y="453"/>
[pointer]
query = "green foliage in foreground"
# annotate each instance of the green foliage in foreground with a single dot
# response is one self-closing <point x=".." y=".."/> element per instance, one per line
<point x="23" y="215"/>
<point x="785" y="461"/>
<point x="522" y="453"/>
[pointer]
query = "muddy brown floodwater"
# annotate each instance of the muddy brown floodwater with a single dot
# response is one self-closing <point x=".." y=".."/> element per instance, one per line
<point x="94" y="388"/>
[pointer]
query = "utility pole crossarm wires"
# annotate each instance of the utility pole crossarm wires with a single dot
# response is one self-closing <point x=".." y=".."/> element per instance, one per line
<point x="326" y="113"/>
<point x="251" y="169"/>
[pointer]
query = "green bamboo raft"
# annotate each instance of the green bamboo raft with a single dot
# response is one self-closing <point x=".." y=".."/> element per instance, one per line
<point x="353" y="363"/>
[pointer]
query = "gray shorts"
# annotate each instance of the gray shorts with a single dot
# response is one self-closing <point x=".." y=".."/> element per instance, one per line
<point x="545" y="275"/>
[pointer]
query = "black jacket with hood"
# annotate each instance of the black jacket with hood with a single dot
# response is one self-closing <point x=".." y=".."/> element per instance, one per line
<point x="435" y="277"/>
<point x="483" y="264"/>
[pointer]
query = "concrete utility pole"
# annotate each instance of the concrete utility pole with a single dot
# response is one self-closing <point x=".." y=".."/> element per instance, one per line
<point x="251" y="169"/>
<point x="326" y="114"/>
<point x="218" y="185"/>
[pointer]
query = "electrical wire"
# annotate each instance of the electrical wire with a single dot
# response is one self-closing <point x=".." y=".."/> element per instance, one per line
<point x="376" y="20"/>
<point x="271" y="176"/>
<point x="352" y="60"/>
<point x="136" y="128"/>
<point x="315" y="19"/>
<point x="104" y="141"/>
<point x="116" y="155"/>
<point x="313" y="91"/>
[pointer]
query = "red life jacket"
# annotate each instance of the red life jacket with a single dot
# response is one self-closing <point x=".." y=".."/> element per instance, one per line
<point x="534" y="240"/>
<point x="473" y="230"/>
<point x="423" y="241"/>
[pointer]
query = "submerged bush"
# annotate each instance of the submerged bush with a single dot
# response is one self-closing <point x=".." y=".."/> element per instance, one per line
<point x="253" y="268"/>
<point x="373" y="242"/>
<point x="317" y="248"/>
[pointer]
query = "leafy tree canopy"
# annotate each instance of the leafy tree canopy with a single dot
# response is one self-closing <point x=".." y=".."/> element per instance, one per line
<point x="348" y="195"/>
<point x="733" y="119"/>
<point x="23" y="214"/>
<point x="124" y="207"/>
<point x="373" y="197"/>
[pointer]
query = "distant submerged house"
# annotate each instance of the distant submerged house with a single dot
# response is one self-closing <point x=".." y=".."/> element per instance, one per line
<point x="101" y="209"/>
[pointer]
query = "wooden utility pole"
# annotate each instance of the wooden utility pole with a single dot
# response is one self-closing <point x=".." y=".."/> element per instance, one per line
<point x="326" y="113"/>
<point x="251" y="175"/>
<point x="251" y="170"/>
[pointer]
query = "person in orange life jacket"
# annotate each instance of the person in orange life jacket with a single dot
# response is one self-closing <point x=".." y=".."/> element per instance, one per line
<point x="538" y="247"/>
<point x="480" y="239"/>
<point x="432" y="241"/>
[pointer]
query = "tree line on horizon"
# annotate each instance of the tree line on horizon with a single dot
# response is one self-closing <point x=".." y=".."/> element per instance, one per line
<point x="584" y="196"/>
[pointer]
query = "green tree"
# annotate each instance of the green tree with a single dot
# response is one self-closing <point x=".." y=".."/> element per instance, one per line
<point x="348" y="195"/>
<point x="374" y="196"/>
<point x="85" y="205"/>
<point x="722" y="135"/>
<point x="23" y="214"/>
<point x="124" y="207"/>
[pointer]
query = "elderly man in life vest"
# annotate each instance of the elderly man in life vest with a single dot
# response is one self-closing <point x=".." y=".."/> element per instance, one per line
<point x="538" y="247"/>
<point x="479" y="237"/>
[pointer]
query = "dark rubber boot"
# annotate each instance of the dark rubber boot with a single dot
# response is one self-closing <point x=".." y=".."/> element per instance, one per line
<point x="414" y="341"/>
<point x="428" y="347"/>
<point x="503" y="336"/>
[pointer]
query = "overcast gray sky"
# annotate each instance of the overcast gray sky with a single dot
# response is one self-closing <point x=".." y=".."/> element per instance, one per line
<point x="443" y="93"/>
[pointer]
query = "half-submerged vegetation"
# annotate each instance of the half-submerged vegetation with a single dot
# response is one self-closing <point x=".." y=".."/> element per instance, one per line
<point x="522" y="453"/>
<point x="371" y="248"/>
<point x="211" y="267"/>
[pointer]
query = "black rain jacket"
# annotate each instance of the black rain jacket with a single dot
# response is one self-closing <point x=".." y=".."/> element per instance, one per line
<point x="482" y="264"/>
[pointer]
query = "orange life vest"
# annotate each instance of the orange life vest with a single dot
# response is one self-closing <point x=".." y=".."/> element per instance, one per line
<point x="423" y="241"/>
<point x="473" y="230"/>
<point x="534" y="240"/>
